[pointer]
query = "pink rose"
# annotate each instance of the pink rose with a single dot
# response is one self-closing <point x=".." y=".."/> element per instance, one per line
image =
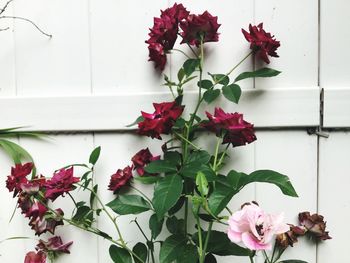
<point x="255" y="228"/>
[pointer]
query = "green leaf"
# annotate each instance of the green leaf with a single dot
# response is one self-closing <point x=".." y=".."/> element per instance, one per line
<point x="202" y="184"/>
<point x="175" y="226"/>
<point x="83" y="216"/>
<point x="177" y="206"/>
<point x="93" y="195"/>
<point x="172" y="248"/>
<point x="210" y="95"/>
<point x="147" y="179"/>
<point x="181" y="74"/>
<point x="190" y="66"/>
<point x="260" y="73"/>
<point x="155" y="225"/>
<point x="16" y="152"/>
<point x="209" y="258"/>
<point x="172" y="157"/>
<point x="219" y="244"/>
<point x="139" y="119"/>
<point x="190" y="170"/>
<point x="189" y="255"/>
<point x="119" y="255"/>
<point x="232" y="92"/>
<point x="202" y="157"/>
<point x="188" y="79"/>
<point x="129" y="204"/>
<point x="205" y="84"/>
<point x="221" y="195"/>
<point x="160" y="166"/>
<point x="293" y="261"/>
<point x="263" y="176"/>
<point x="95" y="155"/>
<point x="140" y="250"/>
<point x="166" y="193"/>
<point x="220" y="78"/>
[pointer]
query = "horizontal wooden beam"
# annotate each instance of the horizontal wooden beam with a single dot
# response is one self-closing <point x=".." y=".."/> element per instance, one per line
<point x="336" y="108"/>
<point x="290" y="107"/>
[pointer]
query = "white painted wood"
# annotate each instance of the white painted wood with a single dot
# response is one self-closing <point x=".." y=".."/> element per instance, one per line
<point x="333" y="200"/>
<point x="295" y="25"/>
<point x="118" y="49"/>
<point x="7" y="55"/>
<point x="293" y="153"/>
<point x="264" y="108"/>
<point x="60" y="65"/>
<point x="335" y="40"/>
<point x="336" y="107"/>
<point x="53" y="154"/>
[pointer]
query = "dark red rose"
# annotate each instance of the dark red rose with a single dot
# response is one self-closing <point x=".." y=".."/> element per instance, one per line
<point x="33" y="186"/>
<point x="120" y="178"/>
<point x="53" y="245"/>
<point x="290" y="237"/>
<point x="141" y="158"/>
<point x="33" y="257"/>
<point x="61" y="182"/>
<point x="161" y="121"/>
<point x="47" y="223"/>
<point x="157" y="55"/>
<point x="231" y="126"/>
<point x="163" y="34"/>
<point x="261" y="42"/>
<point x="18" y="177"/>
<point x="197" y="27"/>
<point x="315" y="225"/>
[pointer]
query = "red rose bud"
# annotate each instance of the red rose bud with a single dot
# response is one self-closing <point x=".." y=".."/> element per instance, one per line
<point x="315" y="225"/>
<point x="157" y="55"/>
<point x="232" y="126"/>
<point x="18" y="177"/>
<point x="197" y="27"/>
<point x="261" y="42"/>
<point x="54" y="245"/>
<point x="141" y="158"/>
<point x="61" y="182"/>
<point x="120" y="178"/>
<point x="161" y="121"/>
<point x="33" y="257"/>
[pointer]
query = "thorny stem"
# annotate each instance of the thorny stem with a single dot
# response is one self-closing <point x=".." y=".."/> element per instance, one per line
<point x="29" y="21"/>
<point x="139" y="227"/>
<point x="207" y="238"/>
<point x="187" y="141"/>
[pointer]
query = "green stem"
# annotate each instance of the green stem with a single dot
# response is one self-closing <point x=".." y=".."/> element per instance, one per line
<point x="187" y="141"/>
<point x="178" y="50"/>
<point x="222" y="156"/>
<point x="266" y="257"/>
<point x="145" y="196"/>
<point x="71" y="197"/>
<point x="186" y="214"/>
<point x="201" y="256"/>
<point x="216" y="153"/>
<point x="251" y="259"/>
<point x="207" y="238"/>
<point x="139" y="227"/>
<point x="239" y="63"/>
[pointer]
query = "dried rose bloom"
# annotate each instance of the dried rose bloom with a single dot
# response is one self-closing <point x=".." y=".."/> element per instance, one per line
<point x="290" y="237"/>
<point x="315" y="225"/>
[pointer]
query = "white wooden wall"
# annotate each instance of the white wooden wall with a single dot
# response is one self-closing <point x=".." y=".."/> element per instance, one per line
<point x="92" y="78"/>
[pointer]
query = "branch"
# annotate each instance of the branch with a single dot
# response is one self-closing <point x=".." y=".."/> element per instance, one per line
<point x="29" y="21"/>
<point x="2" y="10"/>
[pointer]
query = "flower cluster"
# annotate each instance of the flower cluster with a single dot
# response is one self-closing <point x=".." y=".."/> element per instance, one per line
<point x="33" y="196"/>
<point x="123" y="176"/>
<point x="194" y="30"/>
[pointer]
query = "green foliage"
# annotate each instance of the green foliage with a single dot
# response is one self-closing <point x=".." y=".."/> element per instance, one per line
<point x="205" y="84"/>
<point x="260" y="73"/>
<point x="140" y="250"/>
<point x="210" y="95"/>
<point x="119" y="255"/>
<point x="232" y="92"/>
<point x="172" y="248"/>
<point x="83" y="216"/>
<point x="202" y="184"/>
<point x="166" y="193"/>
<point x="147" y="179"/>
<point x="220" y="79"/>
<point x="15" y="151"/>
<point x="190" y="66"/>
<point x="189" y="255"/>
<point x="139" y="119"/>
<point x="175" y="226"/>
<point x="95" y="155"/>
<point x="155" y="225"/>
<point x="129" y="204"/>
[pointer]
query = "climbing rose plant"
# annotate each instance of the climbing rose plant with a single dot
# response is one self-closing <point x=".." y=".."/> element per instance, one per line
<point x="191" y="192"/>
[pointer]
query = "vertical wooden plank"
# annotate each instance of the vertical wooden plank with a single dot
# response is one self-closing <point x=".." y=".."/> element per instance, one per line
<point x="295" y="24"/>
<point x="335" y="40"/>
<point x="116" y="153"/>
<point x="118" y="49"/>
<point x="50" y="155"/>
<point x="333" y="200"/>
<point x="7" y="55"/>
<point x="232" y="47"/>
<point x="56" y="66"/>
<point x="293" y="153"/>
